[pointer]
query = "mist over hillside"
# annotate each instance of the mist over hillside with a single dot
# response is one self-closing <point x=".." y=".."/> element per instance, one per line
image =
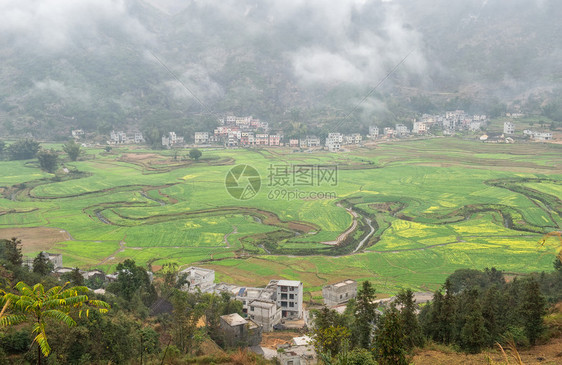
<point x="104" y="64"/>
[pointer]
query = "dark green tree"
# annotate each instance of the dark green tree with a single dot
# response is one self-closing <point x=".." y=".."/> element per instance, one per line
<point x="185" y="316"/>
<point x="2" y="147"/>
<point x="195" y="154"/>
<point x="13" y="251"/>
<point x="390" y="347"/>
<point x="532" y="310"/>
<point x="473" y="335"/>
<point x="48" y="160"/>
<point x="74" y="277"/>
<point x="447" y="315"/>
<point x="133" y="280"/>
<point x="72" y="149"/>
<point x="42" y="265"/>
<point x="411" y="327"/>
<point x="23" y="149"/>
<point x="365" y="316"/>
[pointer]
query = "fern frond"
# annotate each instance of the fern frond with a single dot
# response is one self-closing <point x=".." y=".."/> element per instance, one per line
<point x="60" y="316"/>
<point x="41" y="340"/>
<point x="12" y="319"/>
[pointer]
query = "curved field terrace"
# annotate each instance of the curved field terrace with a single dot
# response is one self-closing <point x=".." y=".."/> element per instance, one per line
<point x="401" y="214"/>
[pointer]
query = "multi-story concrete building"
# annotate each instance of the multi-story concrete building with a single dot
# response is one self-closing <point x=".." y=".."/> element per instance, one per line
<point x="401" y="129"/>
<point x="274" y="140"/>
<point x="419" y="127"/>
<point x="373" y="132"/>
<point x="339" y="293"/>
<point x="262" y="139"/>
<point x="265" y="313"/>
<point x="201" y="137"/>
<point x="289" y="298"/>
<point x="508" y="128"/>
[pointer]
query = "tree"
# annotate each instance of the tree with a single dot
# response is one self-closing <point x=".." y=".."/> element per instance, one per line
<point x="365" y="314"/>
<point x="74" y="277"/>
<point x="23" y="149"/>
<point x="195" y="154"/>
<point x="185" y="317"/>
<point x="72" y="149"/>
<point x="2" y="147"/>
<point x="389" y="339"/>
<point x="131" y="280"/>
<point x="42" y="265"/>
<point x="330" y="341"/>
<point x="108" y="148"/>
<point x="37" y="305"/>
<point x="48" y="160"/>
<point x="412" y="329"/>
<point x="13" y="252"/>
<point x="532" y="310"/>
<point x="473" y="335"/>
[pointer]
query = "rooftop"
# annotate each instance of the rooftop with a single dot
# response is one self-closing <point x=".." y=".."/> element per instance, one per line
<point x="262" y="304"/>
<point x="234" y="319"/>
<point x="288" y="283"/>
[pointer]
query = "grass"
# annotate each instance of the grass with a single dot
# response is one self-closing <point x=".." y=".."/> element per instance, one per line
<point x="438" y="205"/>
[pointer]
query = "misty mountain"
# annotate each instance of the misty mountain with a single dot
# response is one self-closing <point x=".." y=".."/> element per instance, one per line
<point x="105" y="64"/>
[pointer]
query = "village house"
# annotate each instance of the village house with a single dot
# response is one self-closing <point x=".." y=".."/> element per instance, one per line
<point x="389" y="132"/>
<point x="274" y="140"/>
<point x="138" y="137"/>
<point x="419" y="127"/>
<point x="293" y="142"/>
<point x="401" y="129"/>
<point x="201" y="137"/>
<point x="262" y="139"/>
<point x="508" y="128"/>
<point x="239" y="332"/>
<point x="289" y="297"/>
<point x="171" y="139"/>
<point x="334" y="142"/>
<point x="538" y="136"/>
<point x="77" y="133"/>
<point x="373" y="132"/>
<point x="119" y="137"/>
<point x="299" y="352"/>
<point x="339" y="293"/>
<point x="198" y="278"/>
<point x="310" y="141"/>
<point x="265" y="313"/>
<point x="475" y="125"/>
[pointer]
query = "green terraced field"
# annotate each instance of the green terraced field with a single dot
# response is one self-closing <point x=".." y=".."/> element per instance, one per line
<point x="434" y="206"/>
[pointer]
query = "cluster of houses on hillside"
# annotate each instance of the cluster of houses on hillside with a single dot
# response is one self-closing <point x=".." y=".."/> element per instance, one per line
<point x="277" y="305"/>
<point x="247" y="131"/>
<point x="121" y="137"/>
<point x="509" y="129"/>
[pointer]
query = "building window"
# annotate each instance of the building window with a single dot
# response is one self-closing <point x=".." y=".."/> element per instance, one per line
<point x="251" y="309"/>
<point x="291" y="296"/>
<point x="284" y="304"/>
<point x="291" y="304"/>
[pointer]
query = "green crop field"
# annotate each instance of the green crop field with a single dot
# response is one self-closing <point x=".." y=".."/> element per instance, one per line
<point x="402" y="214"/>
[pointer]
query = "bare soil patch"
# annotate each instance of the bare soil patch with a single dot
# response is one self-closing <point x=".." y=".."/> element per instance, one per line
<point x="35" y="238"/>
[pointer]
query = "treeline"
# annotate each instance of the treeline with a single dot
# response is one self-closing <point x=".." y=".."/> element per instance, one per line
<point x="149" y="321"/>
<point x="48" y="158"/>
<point x="473" y="310"/>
